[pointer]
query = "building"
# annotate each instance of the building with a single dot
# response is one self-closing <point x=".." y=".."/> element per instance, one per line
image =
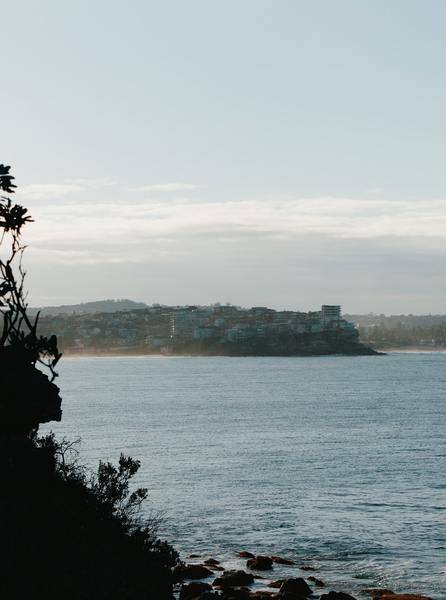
<point x="330" y="313"/>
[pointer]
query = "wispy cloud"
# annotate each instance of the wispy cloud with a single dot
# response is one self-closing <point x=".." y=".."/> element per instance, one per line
<point x="167" y="187"/>
<point x="64" y="189"/>
<point x="312" y="249"/>
<point x="92" y="183"/>
<point x="40" y="191"/>
<point x="129" y="228"/>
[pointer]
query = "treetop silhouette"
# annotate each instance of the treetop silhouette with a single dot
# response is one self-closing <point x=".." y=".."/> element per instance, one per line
<point x="28" y="397"/>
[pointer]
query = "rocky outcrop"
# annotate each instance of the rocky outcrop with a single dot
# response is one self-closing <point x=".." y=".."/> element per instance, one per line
<point x="296" y="587"/>
<point x="279" y="560"/>
<point x="234" y="579"/>
<point x="27" y="397"/>
<point x="393" y="596"/>
<point x="317" y="582"/>
<point x="260" y="563"/>
<point x="184" y="571"/>
<point x="336" y="596"/>
<point x="190" y="591"/>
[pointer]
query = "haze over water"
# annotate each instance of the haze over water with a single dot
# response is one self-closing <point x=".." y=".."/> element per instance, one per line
<point x="338" y="462"/>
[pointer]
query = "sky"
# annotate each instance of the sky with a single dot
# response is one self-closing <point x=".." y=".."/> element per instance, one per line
<point x="284" y="153"/>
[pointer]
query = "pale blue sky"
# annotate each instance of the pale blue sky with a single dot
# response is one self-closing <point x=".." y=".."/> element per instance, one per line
<point x="274" y="152"/>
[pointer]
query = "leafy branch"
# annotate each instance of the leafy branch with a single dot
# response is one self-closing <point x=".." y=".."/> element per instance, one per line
<point x="18" y="330"/>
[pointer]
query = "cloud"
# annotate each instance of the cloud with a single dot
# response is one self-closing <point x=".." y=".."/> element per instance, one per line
<point x="64" y="189"/>
<point x="122" y="229"/>
<point x="41" y="191"/>
<point x="92" y="183"/>
<point x="167" y="187"/>
<point x="369" y="254"/>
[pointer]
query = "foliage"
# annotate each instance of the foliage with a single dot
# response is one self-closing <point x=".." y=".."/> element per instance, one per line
<point x="67" y="533"/>
<point x="18" y="329"/>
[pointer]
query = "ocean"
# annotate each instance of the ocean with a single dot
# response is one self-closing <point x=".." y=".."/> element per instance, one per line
<point x="337" y="462"/>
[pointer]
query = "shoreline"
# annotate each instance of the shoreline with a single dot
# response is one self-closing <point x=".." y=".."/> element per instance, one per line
<point x="70" y="354"/>
<point x="265" y="577"/>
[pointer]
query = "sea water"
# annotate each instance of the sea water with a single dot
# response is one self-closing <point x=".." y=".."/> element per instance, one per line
<point x="337" y="462"/>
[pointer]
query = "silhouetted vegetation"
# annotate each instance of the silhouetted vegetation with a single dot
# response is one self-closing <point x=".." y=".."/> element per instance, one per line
<point x="66" y="533"/>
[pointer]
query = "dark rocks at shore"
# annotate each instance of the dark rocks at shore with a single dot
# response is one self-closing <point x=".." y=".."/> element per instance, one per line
<point x="393" y="596"/>
<point x="279" y="560"/>
<point x="190" y="591"/>
<point x="235" y="584"/>
<point x="260" y="563"/>
<point x="234" y="579"/>
<point x="337" y="596"/>
<point x="184" y="571"/>
<point x="383" y="594"/>
<point x="295" y="588"/>
<point x="317" y="582"/>
<point x="276" y="584"/>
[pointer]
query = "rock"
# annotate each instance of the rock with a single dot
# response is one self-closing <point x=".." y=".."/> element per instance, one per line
<point x="393" y="596"/>
<point x="317" y="582"/>
<point x="336" y="596"/>
<point x="215" y="568"/>
<point x="211" y="562"/>
<point x="276" y="584"/>
<point x="295" y="586"/>
<point x="260" y="563"/>
<point x="190" y="591"/>
<point x="244" y="554"/>
<point x="235" y="593"/>
<point x="377" y="592"/>
<point x="307" y="568"/>
<point x="282" y="561"/>
<point x="183" y="571"/>
<point x="193" y="556"/>
<point x="234" y="579"/>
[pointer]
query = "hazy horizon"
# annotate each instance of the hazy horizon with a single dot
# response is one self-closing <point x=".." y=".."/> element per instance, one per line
<point x="286" y="153"/>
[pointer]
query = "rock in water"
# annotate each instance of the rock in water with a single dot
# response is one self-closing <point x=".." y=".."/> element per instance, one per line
<point x="193" y="590"/>
<point x="337" y="596"/>
<point x="211" y="562"/>
<point x="234" y="579"/>
<point x="184" y="571"/>
<point x="393" y="596"/>
<point x="297" y="587"/>
<point x="260" y="563"/>
<point x="282" y="561"/>
<point x="317" y="582"/>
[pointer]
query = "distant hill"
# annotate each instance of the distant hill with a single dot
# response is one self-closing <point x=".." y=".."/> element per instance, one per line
<point x="84" y="308"/>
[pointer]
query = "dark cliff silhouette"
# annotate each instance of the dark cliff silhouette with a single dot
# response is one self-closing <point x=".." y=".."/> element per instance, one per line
<point x="66" y="533"/>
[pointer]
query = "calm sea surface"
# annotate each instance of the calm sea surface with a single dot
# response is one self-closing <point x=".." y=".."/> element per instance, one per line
<point x="339" y="462"/>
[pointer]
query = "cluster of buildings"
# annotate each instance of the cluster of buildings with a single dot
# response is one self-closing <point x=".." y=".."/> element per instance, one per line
<point x="160" y="328"/>
<point x="233" y="324"/>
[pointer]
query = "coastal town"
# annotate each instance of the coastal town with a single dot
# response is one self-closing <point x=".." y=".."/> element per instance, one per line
<point x="215" y="329"/>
